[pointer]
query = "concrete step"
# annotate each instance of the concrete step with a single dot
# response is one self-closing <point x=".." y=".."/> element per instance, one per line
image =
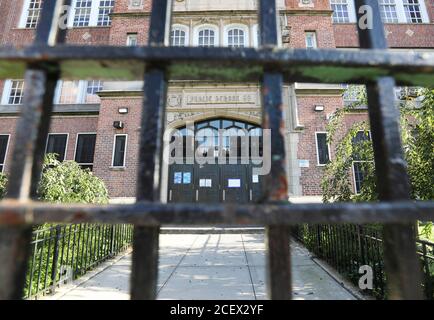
<point x="212" y="230"/>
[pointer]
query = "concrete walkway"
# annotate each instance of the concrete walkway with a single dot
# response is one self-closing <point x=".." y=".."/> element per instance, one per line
<point x="214" y="266"/>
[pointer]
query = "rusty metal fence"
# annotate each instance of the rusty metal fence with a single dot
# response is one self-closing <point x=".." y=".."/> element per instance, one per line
<point x="62" y="253"/>
<point x="48" y="58"/>
<point x="348" y="247"/>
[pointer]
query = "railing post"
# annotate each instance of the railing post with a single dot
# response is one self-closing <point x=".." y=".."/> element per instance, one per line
<point x="112" y="240"/>
<point x="55" y="259"/>
<point x="318" y="240"/>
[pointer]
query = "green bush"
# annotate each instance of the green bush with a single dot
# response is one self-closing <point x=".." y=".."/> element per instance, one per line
<point x="67" y="182"/>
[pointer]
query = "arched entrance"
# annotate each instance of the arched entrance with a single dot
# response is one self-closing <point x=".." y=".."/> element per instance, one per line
<point x="215" y="162"/>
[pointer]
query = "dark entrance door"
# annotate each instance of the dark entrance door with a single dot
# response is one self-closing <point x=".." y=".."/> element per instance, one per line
<point x="181" y="183"/>
<point x="213" y="183"/>
<point x="234" y="183"/>
<point x="207" y="183"/>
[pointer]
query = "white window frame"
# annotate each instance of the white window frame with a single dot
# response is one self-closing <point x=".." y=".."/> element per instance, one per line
<point x="314" y="37"/>
<point x="125" y="153"/>
<point x="391" y="5"/>
<point x="201" y="27"/>
<point x="131" y="36"/>
<point x="24" y="15"/>
<point x="233" y="26"/>
<point x="7" y="88"/>
<point x="94" y="14"/>
<point x="255" y="35"/>
<point x="402" y="18"/>
<point x="317" y="150"/>
<point x="184" y="28"/>
<point x="79" y="99"/>
<point x="351" y="13"/>
<point x="423" y="12"/>
<point x="59" y="134"/>
<point x="7" y="150"/>
<point x="97" y="19"/>
<point x="354" y="174"/>
<point x="76" y="144"/>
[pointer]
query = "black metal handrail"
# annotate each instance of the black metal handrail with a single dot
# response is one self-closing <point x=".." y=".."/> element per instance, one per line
<point x="62" y="253"/>
<point x="348" y="247"/>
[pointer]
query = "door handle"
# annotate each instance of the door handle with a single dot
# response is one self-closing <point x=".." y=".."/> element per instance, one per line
<point x="224" y="195"/>
<point x="170" y="195"/>
<point x="251" y="194"/>
<point x="197" y="195"/>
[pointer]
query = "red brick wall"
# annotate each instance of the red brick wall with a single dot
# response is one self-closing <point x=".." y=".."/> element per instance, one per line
<point x="299" y="24"/>
<point x="318" y="5"/>
<point x="121" y="26"/>
<point x="59" y="124"/>
<point x="313" y="121"/>
<point x="398" y="36"/>
<point x="122" y="6"/>
<point x="120" y="183"/>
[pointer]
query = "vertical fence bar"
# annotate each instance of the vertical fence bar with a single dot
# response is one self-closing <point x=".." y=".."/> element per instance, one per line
<point x="401" y="264"/>
<point x="55" y="258"/>
<point x="144" y="274"/>
<point x="279" y="269"/>
<point x="32" y="129"/>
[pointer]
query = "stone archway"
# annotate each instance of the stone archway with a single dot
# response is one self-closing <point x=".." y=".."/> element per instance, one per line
<point x="216" y="182"/>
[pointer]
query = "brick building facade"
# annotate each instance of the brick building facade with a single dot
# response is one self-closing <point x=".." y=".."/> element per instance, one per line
<point x="84" y="128"/>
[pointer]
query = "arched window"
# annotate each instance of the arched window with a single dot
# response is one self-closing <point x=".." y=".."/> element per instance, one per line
<point x="236" y="38"/>
<point x="178" y="37"/>
<point x="222" y="137"/>
<point x="207" y="38"/>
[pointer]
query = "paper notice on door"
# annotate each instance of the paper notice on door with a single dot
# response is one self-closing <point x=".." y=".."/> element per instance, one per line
<point x="205" y="183"/>
<point x="177" y="178"/>
<point x="234" y="183"/>
<point x="255" y="178"/>
<point x="202" y="183"/>
<point x="186" y="178"/>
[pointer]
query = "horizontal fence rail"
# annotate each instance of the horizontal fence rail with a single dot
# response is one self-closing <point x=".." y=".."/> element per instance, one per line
<point x="224" y="64"/>
<point x="154" y="214"/>
<point x="348" y="247"/>
<point x="62" y="253"/>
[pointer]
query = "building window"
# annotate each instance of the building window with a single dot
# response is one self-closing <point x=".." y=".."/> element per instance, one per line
<point x="178" y="38"/>
<point x="359" y="171"/>
<point x="412" y="11"/>
<point x="119" y="150"/>
<point x="132" y="39"/>
<point x="69" y="92"/>
<point x="33" y="11"/>
<point x="4" y="140"/>
<point x="340" y="11"/>
<point x="236" y="38"/>
<point x="92" y="13"/>
<point x="360" y="166"/>
<point x="207" y="38"/>
<point x="361" y="136"/>
<point x="388" y="11"/>
<point x="85" y="150"/>
<point x="92" y="88"/>
<point x="104" y="11"/>
<point x="322" y="148"/>
<point x="16" y="92"/>
<point x="83" y="10"/>
<point x="311" y="40"/>
<point x="56" y="144"/>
